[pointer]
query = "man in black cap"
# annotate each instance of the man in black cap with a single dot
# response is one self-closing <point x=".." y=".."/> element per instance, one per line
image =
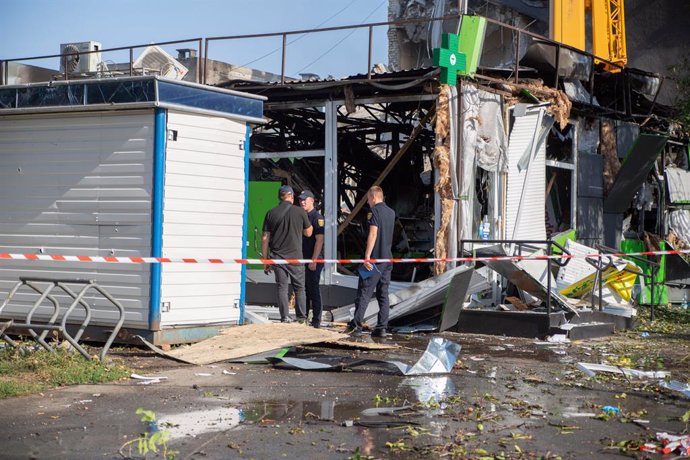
<point x="312" y="247"/>
<point x="283" y="229"/>
<point x="381" y="223"/>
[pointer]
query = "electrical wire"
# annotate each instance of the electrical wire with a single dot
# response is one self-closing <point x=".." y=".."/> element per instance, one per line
<point x="342" y="39"/>
<point x="352" y="2"/>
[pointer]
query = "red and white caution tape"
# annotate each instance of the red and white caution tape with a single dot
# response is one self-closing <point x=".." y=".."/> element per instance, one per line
<point x="184" y="260"/>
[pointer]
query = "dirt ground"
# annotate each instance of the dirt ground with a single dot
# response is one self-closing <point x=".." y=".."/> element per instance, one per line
<point x="506" y="398"/>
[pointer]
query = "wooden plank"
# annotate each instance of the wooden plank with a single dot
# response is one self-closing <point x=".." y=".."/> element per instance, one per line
<point x="240" y="341"/>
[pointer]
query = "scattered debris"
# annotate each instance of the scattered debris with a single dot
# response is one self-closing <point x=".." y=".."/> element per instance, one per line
<point x="438" y="358"/>
<point x="591" y="369"/>
<point x="147" y="380"/>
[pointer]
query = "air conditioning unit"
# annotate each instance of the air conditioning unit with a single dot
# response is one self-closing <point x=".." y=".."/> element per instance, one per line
<point x="74" y="60"/>
<point x="155" y="61"/>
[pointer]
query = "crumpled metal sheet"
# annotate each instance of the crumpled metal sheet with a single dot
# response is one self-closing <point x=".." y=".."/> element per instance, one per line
<point x="438" y="358"/>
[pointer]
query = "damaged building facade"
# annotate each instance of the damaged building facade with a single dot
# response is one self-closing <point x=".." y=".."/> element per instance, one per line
<point x="540" y="151"/>
<point x="535" y="151"/>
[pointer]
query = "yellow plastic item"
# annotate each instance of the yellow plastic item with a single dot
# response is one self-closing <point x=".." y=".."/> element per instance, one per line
<point x="617" y="279"/>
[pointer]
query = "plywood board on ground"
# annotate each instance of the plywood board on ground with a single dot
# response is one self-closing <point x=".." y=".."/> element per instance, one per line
<point x="240" y="341"/>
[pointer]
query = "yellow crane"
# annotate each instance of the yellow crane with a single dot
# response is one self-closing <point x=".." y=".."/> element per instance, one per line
<point x="568" y="25"/>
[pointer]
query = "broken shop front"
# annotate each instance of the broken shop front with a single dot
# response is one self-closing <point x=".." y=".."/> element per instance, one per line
<point x="469" y="169"/>
<point x="337" y="138"/>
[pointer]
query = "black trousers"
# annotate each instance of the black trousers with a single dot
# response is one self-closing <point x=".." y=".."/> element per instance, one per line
<point x="365" y="289"/>
<point x="290" y="275"/>
<point x="311" y="284"/>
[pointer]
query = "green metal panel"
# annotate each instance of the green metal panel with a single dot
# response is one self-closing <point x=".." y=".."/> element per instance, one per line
<point x="660" y="290"/>
<point x="471" y="42"/>
<point x="262" y="197"/>
<point x="561" y="239"/>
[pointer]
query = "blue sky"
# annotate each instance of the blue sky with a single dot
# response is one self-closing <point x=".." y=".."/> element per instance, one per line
<point x="37" y="27"/>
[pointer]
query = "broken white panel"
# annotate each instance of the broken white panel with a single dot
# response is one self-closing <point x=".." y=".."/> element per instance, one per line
<point x="679" y="222"/>
<point x="525" y="203"/>
<point x="591" y="369"/>
<point x="537" y="269"/>
<point x="470" y="111"/>
<point x="676" y="385"/>
<point x="155" y="59"/>
<point x="577" y="268"/>
<point x="678" y="181"/>
<point x="483" y="145"/>
<point x="623" y="310"/>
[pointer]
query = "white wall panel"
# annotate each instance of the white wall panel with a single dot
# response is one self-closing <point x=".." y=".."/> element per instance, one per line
<point x="78" y="184"/>
<point x="525" y="204"/>
<point x="203" y="218"/>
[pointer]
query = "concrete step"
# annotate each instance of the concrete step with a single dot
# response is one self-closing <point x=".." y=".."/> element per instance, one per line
<point x="621" y="323"/>
<point x="590" y="330"/>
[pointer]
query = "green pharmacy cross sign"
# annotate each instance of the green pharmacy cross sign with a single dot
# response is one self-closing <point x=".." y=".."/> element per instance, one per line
<point x="449" y="59"/>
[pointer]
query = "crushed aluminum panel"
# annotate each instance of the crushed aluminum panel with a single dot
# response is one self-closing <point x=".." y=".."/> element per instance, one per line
<point x="525" y="202"/>
<point x="633" y="172"/>
<point x="571" y="64"/>
<point x="438" y="358"/>
<point x="678" y="181"/>
<point x="419" y="296"/>
<point x="455" y="299"/>
<point x="520" y="277"/>
<point x="576" y="91"/>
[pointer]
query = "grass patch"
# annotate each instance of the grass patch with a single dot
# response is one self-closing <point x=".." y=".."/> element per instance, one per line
<point x="40" y="370"/>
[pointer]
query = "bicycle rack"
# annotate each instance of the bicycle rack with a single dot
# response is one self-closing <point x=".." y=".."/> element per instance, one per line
<point x="44" y="287"/>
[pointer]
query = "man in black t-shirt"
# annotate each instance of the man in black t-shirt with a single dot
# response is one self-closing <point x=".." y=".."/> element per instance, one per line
<point x="312" y="249"/>
<point x="381" y="222"/>
<point x="283" y="229"/>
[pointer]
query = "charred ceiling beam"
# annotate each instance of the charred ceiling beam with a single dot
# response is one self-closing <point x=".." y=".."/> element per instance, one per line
<point x="390" y="165"/>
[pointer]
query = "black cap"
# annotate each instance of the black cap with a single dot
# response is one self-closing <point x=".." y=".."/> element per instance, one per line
<point x="285" y="189"/>
<point x="305" y="194"/>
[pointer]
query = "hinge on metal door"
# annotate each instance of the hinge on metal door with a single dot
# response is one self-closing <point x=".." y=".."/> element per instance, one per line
<point x="165" y="306"/>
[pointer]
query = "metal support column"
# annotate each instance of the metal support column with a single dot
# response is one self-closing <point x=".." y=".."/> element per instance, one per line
<point x="330" y="189"/>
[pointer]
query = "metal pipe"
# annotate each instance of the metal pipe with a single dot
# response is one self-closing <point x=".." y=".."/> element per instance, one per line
<point x="198" y="63"/>
<point x="205" y="70"/>
<point x="651" y="308"/>
<point x="131" y="62"/>
<point x="282" y="66"/>
<point x="548" y="279"/>
<point x="371" y="36"/>
<point x="517" y="56"/>
<point x="557" y="65"/>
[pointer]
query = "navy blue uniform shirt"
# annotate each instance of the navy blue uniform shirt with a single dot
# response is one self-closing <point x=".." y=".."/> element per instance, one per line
<point x="308" y="243"/>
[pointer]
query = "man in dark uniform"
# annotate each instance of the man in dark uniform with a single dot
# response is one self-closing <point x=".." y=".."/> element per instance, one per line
<point x="381" y="222"/>
<point x="283" y="229"/>
<point x="312" y="247"/>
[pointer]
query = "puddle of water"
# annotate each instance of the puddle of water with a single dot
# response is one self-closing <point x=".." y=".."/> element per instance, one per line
<point x="199" y="422"/>
<point x="430" y="388"/>
<point x="327" y="410"/>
